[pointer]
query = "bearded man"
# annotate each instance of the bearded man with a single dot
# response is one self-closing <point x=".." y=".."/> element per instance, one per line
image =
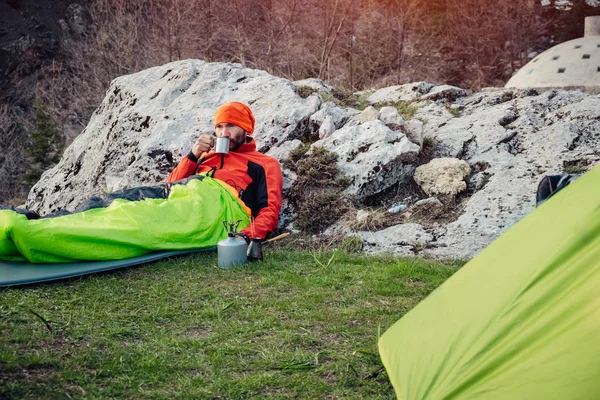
<point x="256" y="177"/>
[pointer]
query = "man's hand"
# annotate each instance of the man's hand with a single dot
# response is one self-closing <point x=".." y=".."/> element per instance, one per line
<point x="202" y="145"/>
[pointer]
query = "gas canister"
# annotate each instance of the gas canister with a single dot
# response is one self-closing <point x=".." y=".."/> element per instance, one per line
<point x="231" y="252"/>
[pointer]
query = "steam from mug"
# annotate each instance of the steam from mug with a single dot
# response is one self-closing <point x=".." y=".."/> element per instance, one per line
<point x="222" y="145"/>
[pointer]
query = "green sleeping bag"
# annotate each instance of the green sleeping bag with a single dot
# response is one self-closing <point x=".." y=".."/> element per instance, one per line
<point x="191" y="217"/>
<point x="519" y="321"/>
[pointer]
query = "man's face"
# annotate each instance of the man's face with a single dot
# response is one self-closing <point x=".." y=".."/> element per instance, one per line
<point x="236" y="135"/>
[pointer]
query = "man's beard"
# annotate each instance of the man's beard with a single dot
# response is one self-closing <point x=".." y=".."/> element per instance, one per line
<point x="233" y="146"/>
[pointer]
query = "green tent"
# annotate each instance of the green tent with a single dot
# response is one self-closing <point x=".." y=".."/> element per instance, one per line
<point x="191" y="217"/>
<point x="519" y="321"/>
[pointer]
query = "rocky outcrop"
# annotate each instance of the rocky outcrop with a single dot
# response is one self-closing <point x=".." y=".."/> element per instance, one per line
<point x="502" y="142"/>
<point x="149" y="120"/>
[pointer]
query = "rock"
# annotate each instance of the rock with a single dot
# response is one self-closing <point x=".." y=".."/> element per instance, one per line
<point x="362" y="216"/>
<point x="368" y="114"/>
<point x="283" y="151"/>
<point x="478" y="180"/>
<point x="443" y="178"/>
<point x="402" y="239"/>
<point x="426" y="210"/>
<point x="389" y="116"/>
<point x="150" y="119"/>
<point x="414" y="131"/>
<point x="372" y="155"/>
<point x="509" y="116"/>
<point x="444" y="92"/>
<point x="338" y="115"/>
<point x="327" y="127"/>
<point x="395" y="94"/>
<point x="314" y="83"/>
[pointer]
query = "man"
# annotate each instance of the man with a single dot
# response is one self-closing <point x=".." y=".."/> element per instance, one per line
<point x="255" y="176"/>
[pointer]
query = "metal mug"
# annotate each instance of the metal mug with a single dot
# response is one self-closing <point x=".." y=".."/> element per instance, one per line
<point x="254" y="251"/>
<point x="222" y="145"/>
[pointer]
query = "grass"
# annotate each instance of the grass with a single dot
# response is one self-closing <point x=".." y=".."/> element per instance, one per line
<point x="305" y="91"/>
<point x="348" y="99"/>
<point x="300" y="324"/>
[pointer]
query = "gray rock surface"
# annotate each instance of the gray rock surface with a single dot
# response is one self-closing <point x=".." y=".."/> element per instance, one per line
<point x="402" y="239"/>
<point x="337" y="115"/>
<point x="394" y="94"/>
<point x="150" y="119"/>
<point x="389" y="116"/>
<point x="372" y="155"/>
<point x="551" y="128"/>
<point x="414" y="131"/>
<point x="444" y="92"/>
<point x="368" y="114"/>
<point x="326" y="128"/>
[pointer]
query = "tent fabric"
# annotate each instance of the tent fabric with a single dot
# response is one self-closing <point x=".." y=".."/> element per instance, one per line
<point x="15" y="273"/>
<point x="521" y="320"/>
<point x="191" y="217"/>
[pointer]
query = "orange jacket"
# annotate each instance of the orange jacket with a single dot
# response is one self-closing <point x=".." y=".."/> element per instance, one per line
<point x="256" y="177"/>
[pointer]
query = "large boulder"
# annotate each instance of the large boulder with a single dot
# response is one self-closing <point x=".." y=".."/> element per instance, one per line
<point x="372" y="155"/>
<point x="150" y="119"/>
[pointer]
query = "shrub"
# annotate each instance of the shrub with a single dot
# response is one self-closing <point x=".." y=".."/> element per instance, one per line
<point x="305" y="91"/>
<point x="320" y="209"/>
<point x="317" y="193"/>
<point x="44" y="144"/>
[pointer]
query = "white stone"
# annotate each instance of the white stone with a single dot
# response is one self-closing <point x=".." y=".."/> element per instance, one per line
<point x="362" y="216"/>
<point x="327" y="127"/>
<point x="283" y="150"/>
<point x="389" y="116"/>
<point x="338" y="115"/>
<point x="443" y="178"/>
<point x="368" y="114"/>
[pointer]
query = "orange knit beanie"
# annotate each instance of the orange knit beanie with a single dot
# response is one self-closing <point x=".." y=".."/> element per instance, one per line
<point x="236" y="113"/>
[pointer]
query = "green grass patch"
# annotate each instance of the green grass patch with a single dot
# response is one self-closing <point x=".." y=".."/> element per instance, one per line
<point x="298" y="325"/>
<point x="317" y="193"/>
<point x="348" y="99"/>
<point x="305" y="91"/>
